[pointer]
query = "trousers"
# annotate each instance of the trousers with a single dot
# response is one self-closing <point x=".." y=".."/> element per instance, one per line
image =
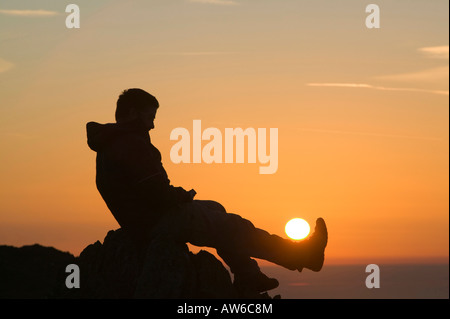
<point x="206" y="223"/>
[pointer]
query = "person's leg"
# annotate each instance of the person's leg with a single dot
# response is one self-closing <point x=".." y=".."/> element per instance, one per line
<point x="206" y="223"/>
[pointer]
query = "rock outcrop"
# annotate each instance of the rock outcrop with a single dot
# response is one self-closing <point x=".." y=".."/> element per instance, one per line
<point x="32" y="271"/>
<point x="115" y="269"/>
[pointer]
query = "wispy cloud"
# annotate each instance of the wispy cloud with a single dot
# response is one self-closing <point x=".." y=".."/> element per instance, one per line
<point x="217" y="2"/>
<point x="437" y="52"/>
<point x="372" y="134"/>
<point x="21" y="136"/>
<point x="195" y="53"/>
<point x="200" y="53"/>
<point x="342" y="85"/>
<point x="436" y="75"/>
<point x="375" y="87"/>
<point x="29" y="13"/>
<point x="5" y="65"/>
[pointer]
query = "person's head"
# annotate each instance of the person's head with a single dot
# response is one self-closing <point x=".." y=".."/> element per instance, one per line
<point x="136" y="103"/>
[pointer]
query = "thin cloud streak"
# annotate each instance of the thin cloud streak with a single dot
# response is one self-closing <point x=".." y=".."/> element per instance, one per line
<point x="437" y="52"/>
<point x="424" y="138"/>
<point x="374" y="87"/>
<point x="29" y="13"/>
<point x="194" y="53"/>
<point x="5" y="65"/>
<point x="437" y="75"/>
<point x="23" y="136"/>
<point x="203" y="53"/>
<point x="216" y="2"/>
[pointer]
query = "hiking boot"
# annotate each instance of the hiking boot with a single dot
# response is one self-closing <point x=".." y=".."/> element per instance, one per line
<point x="254" y="282"/>
<point x="311" y="250"/>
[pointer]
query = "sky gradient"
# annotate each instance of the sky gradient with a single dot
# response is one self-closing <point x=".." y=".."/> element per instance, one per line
<point x="362" y="114"/>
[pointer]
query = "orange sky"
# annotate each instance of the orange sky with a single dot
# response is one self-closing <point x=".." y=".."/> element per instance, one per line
<point x="362" y="115"/>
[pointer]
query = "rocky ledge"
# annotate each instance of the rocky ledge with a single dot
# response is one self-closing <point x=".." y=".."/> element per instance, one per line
<point x="115" y="269"/>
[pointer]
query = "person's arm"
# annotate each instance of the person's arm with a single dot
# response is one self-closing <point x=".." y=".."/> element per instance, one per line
<point x="181" y="195"/>
<point x="160" y="189"/>
<point x="147" y="174"/>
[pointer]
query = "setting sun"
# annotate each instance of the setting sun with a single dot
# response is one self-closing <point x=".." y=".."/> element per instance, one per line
<point x="297" y="228"/>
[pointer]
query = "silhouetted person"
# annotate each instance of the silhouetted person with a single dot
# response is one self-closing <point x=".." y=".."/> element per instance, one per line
<point x="132" y="181"/>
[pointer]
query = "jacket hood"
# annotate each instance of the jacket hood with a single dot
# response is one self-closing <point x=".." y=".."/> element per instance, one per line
<point x="100" y="135"/>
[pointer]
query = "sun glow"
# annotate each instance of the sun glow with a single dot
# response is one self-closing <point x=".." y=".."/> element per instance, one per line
<point x="297" y="228"/>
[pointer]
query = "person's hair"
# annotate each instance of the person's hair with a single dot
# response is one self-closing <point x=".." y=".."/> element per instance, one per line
<point x="136" y="99"/>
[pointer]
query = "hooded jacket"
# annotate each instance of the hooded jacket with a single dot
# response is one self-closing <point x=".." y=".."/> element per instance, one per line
<point x="130" y="176"/>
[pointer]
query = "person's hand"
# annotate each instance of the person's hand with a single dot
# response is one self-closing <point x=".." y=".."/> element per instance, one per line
<point x="192" y="193"/>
